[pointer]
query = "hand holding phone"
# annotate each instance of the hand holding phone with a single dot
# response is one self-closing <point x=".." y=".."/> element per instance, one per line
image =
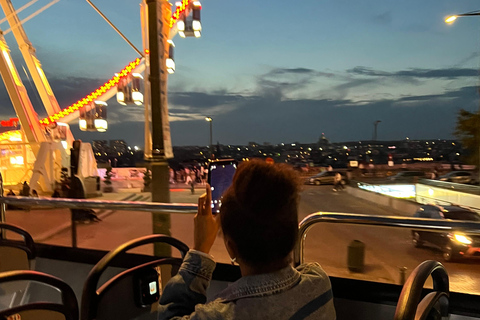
<point x="205" y="223"/>
<point x="220" y="177"/>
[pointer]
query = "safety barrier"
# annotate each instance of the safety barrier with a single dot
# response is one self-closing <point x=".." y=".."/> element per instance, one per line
<point x="471" y="228"/>
<point x="89" y="204"/>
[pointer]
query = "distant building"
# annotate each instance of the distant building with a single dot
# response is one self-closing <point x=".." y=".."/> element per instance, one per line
<point x="100" y="146"/>
<point x="323" y="141"/>
<point x="119" y="147"/>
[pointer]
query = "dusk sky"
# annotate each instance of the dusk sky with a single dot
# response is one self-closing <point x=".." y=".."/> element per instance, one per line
<point x="272" y="71"/>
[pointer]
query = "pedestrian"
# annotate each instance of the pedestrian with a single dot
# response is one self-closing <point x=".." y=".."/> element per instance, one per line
<point x="34" y="193"/>
<point x="56" y="193"/>
<point x="172" y="174"/>
<point x="9" y="206"/>
<point x="25" y="190"/>
<point x="337" y="182"/>
<point x="192" y="187"/>
<point x="362" y="169"/>
<point x="188" y="178"/>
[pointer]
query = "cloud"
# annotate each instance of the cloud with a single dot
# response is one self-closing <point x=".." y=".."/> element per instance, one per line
<point x="285" y="83"/>
<point x="200" y="100"/>
<point x="264" y="118"/>
<point x="270" y="112"/>
<point x="448" y="73"/>
<point x="383" y="18"/>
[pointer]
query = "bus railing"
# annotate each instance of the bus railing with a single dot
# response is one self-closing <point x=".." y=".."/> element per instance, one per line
<point x="419" y="224"/>
<point x="63" y="203"/>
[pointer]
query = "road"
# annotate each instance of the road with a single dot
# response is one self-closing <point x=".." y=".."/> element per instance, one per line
<point x="386" y="249"/>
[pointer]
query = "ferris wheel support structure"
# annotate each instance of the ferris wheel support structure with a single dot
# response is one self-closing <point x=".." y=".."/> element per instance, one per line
<point x="33" y="64"/>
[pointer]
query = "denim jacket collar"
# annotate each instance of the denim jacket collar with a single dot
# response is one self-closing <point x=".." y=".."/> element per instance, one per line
<point x="261" y="284"/>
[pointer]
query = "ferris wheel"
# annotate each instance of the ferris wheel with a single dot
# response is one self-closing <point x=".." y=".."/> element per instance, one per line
<point x="91" y="110"/>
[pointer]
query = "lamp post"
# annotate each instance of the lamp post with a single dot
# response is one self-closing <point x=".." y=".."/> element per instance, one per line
<point x="451" y="19"/>
<point x="375" y="124"/>
<point x="209" y="119"/>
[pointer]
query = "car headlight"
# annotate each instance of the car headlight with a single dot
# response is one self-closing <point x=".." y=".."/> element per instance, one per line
<point x="312" y="180"/>
<point x="443" y="179"/>
<point x="462" y="238"/>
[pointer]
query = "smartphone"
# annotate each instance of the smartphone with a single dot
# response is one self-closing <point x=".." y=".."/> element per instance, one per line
<point x="220" y="176"/>
<point x="147" y="289"/>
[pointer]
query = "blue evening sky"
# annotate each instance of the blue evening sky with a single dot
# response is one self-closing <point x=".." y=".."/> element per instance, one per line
<point x="273" y="71"/>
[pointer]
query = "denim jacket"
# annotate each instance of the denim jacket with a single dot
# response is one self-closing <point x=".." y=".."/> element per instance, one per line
<point x="301" y="293"/>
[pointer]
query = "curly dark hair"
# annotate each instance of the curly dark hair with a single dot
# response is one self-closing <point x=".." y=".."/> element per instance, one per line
<point x="259" y="212"/>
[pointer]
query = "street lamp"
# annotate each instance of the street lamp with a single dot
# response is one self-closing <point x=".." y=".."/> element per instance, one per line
<point x="375" y="124"/>
<point x="209" y="119"/>
<point x="450" y="20"/>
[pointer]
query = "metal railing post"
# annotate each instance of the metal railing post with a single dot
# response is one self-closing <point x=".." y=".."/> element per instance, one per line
<point x="73" y="229"/>
<point x="82" y="204"/>
<point x="2" y="207"/>
<point x="411" y="223"/>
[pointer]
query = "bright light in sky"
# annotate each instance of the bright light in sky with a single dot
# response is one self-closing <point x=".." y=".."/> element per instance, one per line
<point x="287" y="71"/>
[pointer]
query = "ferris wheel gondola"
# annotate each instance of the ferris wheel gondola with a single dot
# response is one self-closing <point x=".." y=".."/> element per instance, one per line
<point x="94" y="117"/>
<point x="191" y="25"/>
<point x="129" y="89"/>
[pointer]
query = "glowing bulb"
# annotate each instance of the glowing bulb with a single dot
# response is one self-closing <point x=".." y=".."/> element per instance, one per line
<point x="451" y="19"/>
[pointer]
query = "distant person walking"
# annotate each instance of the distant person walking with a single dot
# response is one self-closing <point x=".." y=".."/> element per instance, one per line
<point x="56" y="193"/>
<point x="9" y="206"/>
<point x="337" y="182"/>
<point x="25" y="190"/>
<point x="188" y="178"/>
<point x="172" y="175"/>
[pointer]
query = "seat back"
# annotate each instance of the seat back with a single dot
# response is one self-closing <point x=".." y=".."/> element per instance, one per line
<point x="129" y="304"/>
<point x="134" y="293"/>
<point x="66" y="310"/>
<point x="16" y="255"/>
<point x="435" y="304"/>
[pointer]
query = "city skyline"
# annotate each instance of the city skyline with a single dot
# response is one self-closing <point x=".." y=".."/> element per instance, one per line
<point x="273" y="70"/>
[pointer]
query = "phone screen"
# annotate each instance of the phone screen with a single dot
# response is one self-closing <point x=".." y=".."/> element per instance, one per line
<point x="220" y="176"/>
<point x="147" y="289"/>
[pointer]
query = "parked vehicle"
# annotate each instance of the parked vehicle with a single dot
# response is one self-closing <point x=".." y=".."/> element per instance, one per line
<point x="454" y="245"/>
<point x="407" y="176"/>
<point x="326" y="177"/>
<point x="458" y="177"/>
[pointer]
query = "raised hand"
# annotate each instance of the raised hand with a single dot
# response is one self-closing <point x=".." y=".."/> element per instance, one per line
<point x="206" y="225"/>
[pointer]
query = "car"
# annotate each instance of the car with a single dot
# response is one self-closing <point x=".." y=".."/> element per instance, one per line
<point x="454" y="245"/>
<point x="407" y="176"/>
<point x="458" y="177"/>
<point x="326" y="177"/>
